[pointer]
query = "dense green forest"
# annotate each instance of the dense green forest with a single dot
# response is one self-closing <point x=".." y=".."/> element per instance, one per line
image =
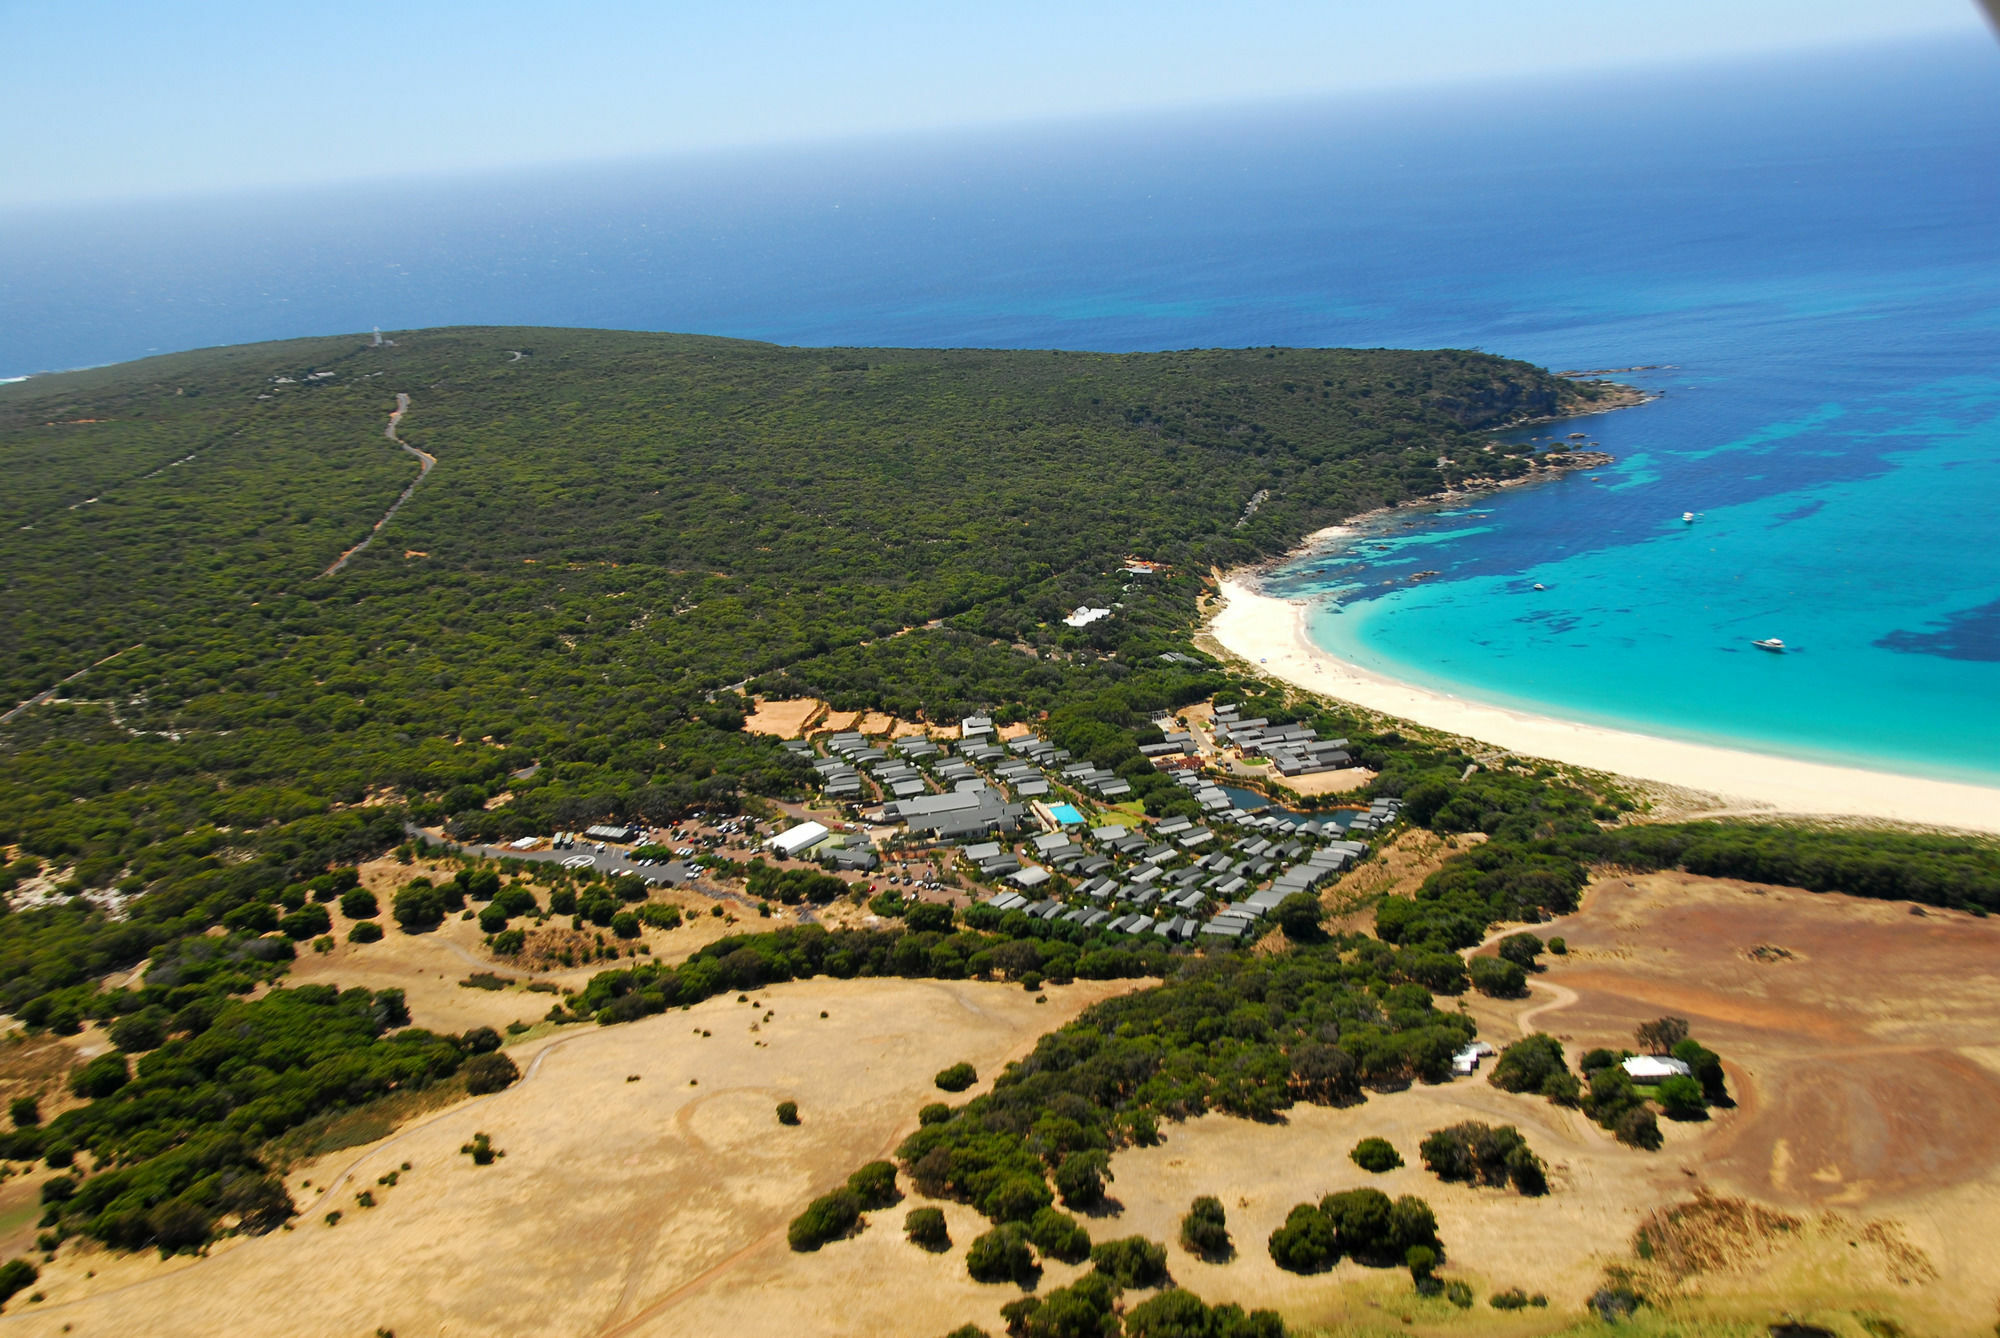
<point x="620" y="525"/>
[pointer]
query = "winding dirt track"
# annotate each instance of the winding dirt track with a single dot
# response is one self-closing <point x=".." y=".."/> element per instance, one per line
<point x="425" y="460"/>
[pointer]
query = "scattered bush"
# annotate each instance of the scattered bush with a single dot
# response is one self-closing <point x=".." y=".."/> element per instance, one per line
<point x="1205" y="1229"/>
<point x="1521" y="950"/>
<point x="1372" y="1230"/>
<point x="365" y="932"/>
<point x="1707" y="1067"/>
<point x="14" y="1275"/>
<point x="1639" y="1128"/>
<point x="788" y="1112"/>
<point x="1661" y="1035"/>
<point x="492" y="1072"/>
<point x="418" y="907"/>
<point x="1483" y="1154"/>
<point x="1002" y="1255"/>
<point x="874" y="1185"/>
<point x="1528" y="1064"/>
<point x="140" y="1031"/>
<point x="1084" y="1309"/>
<point x="1559" y="947"/>
<point x="1059" y="1236"/>
<point x="1306" y="1243"/>
<point x="1300" y="915"/>
<point x="829" y="1217"/>
<point x="1080" y="1178"/>
<point x="1180" y="1314"/>
<point x="100" y="1077"/>
<point x="1376" y="1154"/>
<point x="937" y="1112"/>
<point x="927" y="1230"/>
<point x="479" y="1041"/>
<point x="1681" y="1098"/>
<point x="481" y="1150"/>
<point x="358" y="903"/>
<point x="1500" y="978"/>
<point x="25" y="1111"/>
<point x="1516" y="1299"/>
<point x="957" y="1078"/>
<point x="1132" y="1261"/>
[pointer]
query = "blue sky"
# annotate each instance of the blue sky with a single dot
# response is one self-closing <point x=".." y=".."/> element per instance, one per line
<point x="105" y="100"/>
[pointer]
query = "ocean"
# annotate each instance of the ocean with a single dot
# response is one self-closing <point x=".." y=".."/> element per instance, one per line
<point x="1803" y="253"/>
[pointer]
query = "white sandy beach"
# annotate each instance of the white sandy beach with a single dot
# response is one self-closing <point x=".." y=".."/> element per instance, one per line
<point x="1270" y="634"/>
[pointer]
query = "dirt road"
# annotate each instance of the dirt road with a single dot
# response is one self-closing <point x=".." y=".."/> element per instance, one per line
<point x="426" y="462"/>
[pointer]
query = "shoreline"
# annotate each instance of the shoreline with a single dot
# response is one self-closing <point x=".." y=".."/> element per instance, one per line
<point x="1270" y="634"/>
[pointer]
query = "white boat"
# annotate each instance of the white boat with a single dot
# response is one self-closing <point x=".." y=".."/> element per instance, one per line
<point x="1540" y="586"/>
<point x="1687" y="517"/>
<point x="1770" y="643"/>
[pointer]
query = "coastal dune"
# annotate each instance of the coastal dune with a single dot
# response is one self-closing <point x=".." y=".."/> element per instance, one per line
<point x="1270" y="633"/>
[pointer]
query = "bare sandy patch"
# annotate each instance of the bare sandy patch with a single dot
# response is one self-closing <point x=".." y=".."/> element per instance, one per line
<point x="787" y="719"/>
<point x="1326" y="782"/>
<point x="617" y="1201"/>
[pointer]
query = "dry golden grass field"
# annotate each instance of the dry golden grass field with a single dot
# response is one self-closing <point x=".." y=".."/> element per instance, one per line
<point x="1855" y="1185"/>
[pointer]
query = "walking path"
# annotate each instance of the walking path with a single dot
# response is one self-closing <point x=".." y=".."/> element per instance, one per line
<point x="424" y="458"/>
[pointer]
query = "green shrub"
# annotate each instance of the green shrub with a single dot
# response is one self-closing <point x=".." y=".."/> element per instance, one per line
<point x="1080" y="1178"/>
<point x="829" y="1217"/>
<point x="927" y="1230"/>
<point x="143" y="1030"/>
<point x="1002" y="1255"/>
<point x="937" y="1112"/>
<point x="1376" y="1154"/>
<point x="358" y="903"/>
<point x="1528" y="1064"/>
<point x="957" y="1078"/>
<point x="657" y="915"/>
<point x="1521" y="950"/>
<point x="491" y="1072"/>
<point x="788" y="1112"/>
<point x="14" y="1275"/>
<point x="1497" y="977"/>
<point x="874" y="1185"/>
<point x="1057" y="1235"/>
<point x="1306" y="1243"/>
<point x="365" y="932"/>
<point x="1681" y="1098"/>
<point x="1180" y="1314"/>
<point x="25" y="1112"/>
<point x="1638" y="1128"/>
<point x="1707" y="1067"/>
<point x="508" y="942"/>
<point x="100" y="1077"/>
<point x="1132" y="1261"/>
<point x="418" y="907"/>
<point x="1205" y="1229"/>
<point x="1483" y="1154"/>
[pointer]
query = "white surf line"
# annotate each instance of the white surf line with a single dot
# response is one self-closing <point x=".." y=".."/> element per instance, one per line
<point x="425" y="462"/>
<point x="47" y="693"/>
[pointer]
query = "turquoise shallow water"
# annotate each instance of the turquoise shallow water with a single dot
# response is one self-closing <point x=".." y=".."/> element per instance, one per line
<point x="1806" y="249"/>
<point x="1861" y="531"/>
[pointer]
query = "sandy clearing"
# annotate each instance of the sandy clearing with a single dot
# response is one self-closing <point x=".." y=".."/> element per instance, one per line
<point x="1857" y="1053"/>
<point x="1269" y="634"/>
<point x="1325" y="782"/>
<point x="613" y="1194"/>
<point x="836" y="722"/>
<point x="787" y="719"/>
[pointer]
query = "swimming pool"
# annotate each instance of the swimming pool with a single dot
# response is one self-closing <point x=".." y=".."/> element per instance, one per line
<point x="1066" y="814"/>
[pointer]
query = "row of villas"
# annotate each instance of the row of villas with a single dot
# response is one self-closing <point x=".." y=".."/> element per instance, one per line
<point x="1179" y="879"/>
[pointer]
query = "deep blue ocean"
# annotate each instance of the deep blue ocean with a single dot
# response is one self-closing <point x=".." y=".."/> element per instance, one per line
<point x="1805" y="252"/>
